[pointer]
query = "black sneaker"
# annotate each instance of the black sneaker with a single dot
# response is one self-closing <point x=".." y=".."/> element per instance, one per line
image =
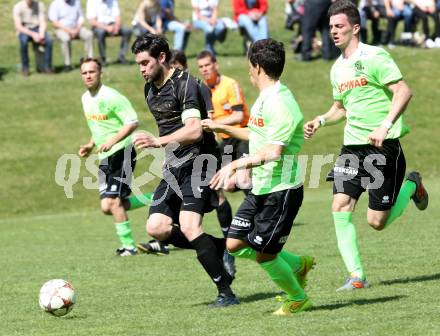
<point x="153" y="247"/>
<point x="126" y="252"/>
<point x="229" y="263"/>
<point x="224" y="300"/>
<point x="420" y="196"/>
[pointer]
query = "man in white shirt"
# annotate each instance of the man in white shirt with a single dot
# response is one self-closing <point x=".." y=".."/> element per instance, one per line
<point x="105" y="18"/>
<point x="67" y="18"/>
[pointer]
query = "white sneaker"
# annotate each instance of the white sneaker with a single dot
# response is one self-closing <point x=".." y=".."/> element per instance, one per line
<point x="437" y="42"/>
<point x="429" y="43"/>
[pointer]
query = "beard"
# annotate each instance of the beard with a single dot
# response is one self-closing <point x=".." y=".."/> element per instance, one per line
<point x="154" y="76"/>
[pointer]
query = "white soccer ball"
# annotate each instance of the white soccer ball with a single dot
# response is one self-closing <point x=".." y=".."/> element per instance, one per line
<point x="57" y="297"/>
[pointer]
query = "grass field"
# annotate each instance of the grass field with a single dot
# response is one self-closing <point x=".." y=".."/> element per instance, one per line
<point x="45" y="235"/>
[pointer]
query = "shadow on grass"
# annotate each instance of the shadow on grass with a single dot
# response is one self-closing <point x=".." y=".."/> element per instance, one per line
<point x="421" y="278"/>
<point x="249" y="298"/>
<point x="359" y="302"/>
<point x="3" y="72"/>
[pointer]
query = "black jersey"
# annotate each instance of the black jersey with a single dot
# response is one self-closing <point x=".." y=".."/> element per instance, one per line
<point x="167" y="103"/>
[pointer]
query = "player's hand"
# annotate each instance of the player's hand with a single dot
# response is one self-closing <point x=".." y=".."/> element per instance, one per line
<point x="145" y="140"/>
<point x="377" y="137"/>
<point x="105" y="147"/>
<point x="222" y="179"/>
<point x="310" y="128"/>
<point x="85" y="150"/>
<point x="210" y="125"/>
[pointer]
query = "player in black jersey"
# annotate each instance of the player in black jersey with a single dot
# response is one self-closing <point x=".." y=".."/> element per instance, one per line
<point x="191" y="158"/>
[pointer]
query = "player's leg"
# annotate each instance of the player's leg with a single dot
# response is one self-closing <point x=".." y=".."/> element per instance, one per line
<point x="224" y="216"/>
<point x="347" y="188"/>
<point x="389" y="200"/>
<point x="207" y="254"/>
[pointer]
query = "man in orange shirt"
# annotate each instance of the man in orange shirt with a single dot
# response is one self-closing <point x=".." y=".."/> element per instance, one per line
<point x="229" y="109"/>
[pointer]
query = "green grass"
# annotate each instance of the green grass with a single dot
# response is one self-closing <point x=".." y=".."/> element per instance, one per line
<point x="44" y="235"/>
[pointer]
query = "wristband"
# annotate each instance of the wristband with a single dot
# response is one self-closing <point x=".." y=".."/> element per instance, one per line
<point x="321" y="120"/>
<point x="387" y="124"/>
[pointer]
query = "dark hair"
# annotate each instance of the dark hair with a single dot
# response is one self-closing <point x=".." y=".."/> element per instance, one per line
<point x="348" y="8"/>
<point x="88" y="60"/>
<point x="268" y="54"/>
<point x="153" y="44"/>
<point x="179" y="57"/>
<point x="206" y="53"/>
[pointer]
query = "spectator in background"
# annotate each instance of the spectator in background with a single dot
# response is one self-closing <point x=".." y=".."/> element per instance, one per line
<point x="372" y="10"/>
<point x="397" y="10"/>
<point x="423" y="9"/>
<point x="105" y="19"/>
<point x="171" y="23"/>
<point x="315" y="17"/>
<point x="67" y="19"/>
<point x="205" y="18"/>
<point x="30" y="23"/>
<point x="148" y="18"/>
<point x="251" y="18"/>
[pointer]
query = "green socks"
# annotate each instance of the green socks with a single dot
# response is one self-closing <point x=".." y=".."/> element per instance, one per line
<point x="123" y="230"/>
<point x="280" y="272"/>
<point x="143" y="200"/>
<point x="293" y="260"/>
<point x="246" y="253"/>
<point x="347" y="243"/>
<point x="408" y="189"/>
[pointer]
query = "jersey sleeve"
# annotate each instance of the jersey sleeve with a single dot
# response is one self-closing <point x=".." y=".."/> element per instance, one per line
<point x="280" y="122"/>
<point x="384" y="69"/>
<point x="124" y="110"/>
<point x="189" y="97"/>
<point x="336" y="94"/>
<point x="207" y="97"/>
<point x="235" y="95"/>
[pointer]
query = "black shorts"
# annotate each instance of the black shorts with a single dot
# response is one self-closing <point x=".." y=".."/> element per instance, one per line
<point x="381" y="171"/>
<point x="181" y="190"/>
<point x="239" y="148"/>
<point x="265" y="221"/>
<point x="115" y="173"/>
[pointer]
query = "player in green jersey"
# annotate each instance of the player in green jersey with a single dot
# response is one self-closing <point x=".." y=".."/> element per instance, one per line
<point x="370" y="93"/>
<point x="262" y="224"/>
<point x="111" y="120"/>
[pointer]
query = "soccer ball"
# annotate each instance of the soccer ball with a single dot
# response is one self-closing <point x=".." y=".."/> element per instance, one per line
<point x="57" y="297"/>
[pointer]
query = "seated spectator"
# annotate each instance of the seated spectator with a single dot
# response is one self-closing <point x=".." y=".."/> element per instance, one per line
<point x="205" y="18"/>
<point x="398" y="10"/>
<point x="171" y="23"/>
<point x="67" y="19"/>
<point x="423" y="9"/>
<point x="251" y="18"/>
<point x="105" y="19"/>
<point x="148" y="18"/>
<point x="372" y="10"/>
<point x="30" y="23"/>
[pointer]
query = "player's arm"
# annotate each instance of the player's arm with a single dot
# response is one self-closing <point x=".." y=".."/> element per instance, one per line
<point x="401" y="96"/>
<point x="334" y="115"/>
<point x="190" y="133"/>
<point x="241" y="133"/>
<point x="85" y="150"/>
<point x="124" y="132"/>
<point x="236" y="117"/>
<point x="269" y="153"/>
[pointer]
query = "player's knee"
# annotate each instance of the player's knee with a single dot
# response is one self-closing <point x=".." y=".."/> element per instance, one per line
<point x="156" y="228"/>
<point x="106" y="207"/>
<point x="377" y="223"/>
<point x="232" y="246"/>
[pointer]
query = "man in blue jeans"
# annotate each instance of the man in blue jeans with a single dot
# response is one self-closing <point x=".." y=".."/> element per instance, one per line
<point x="30" y="23"/>
<point x="171" y="23"/>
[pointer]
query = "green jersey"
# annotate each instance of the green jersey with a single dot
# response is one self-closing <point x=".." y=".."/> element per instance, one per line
<point x="106" y="113"/>
<point x="360" y="82"/>
<point x="276" y="119"/>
